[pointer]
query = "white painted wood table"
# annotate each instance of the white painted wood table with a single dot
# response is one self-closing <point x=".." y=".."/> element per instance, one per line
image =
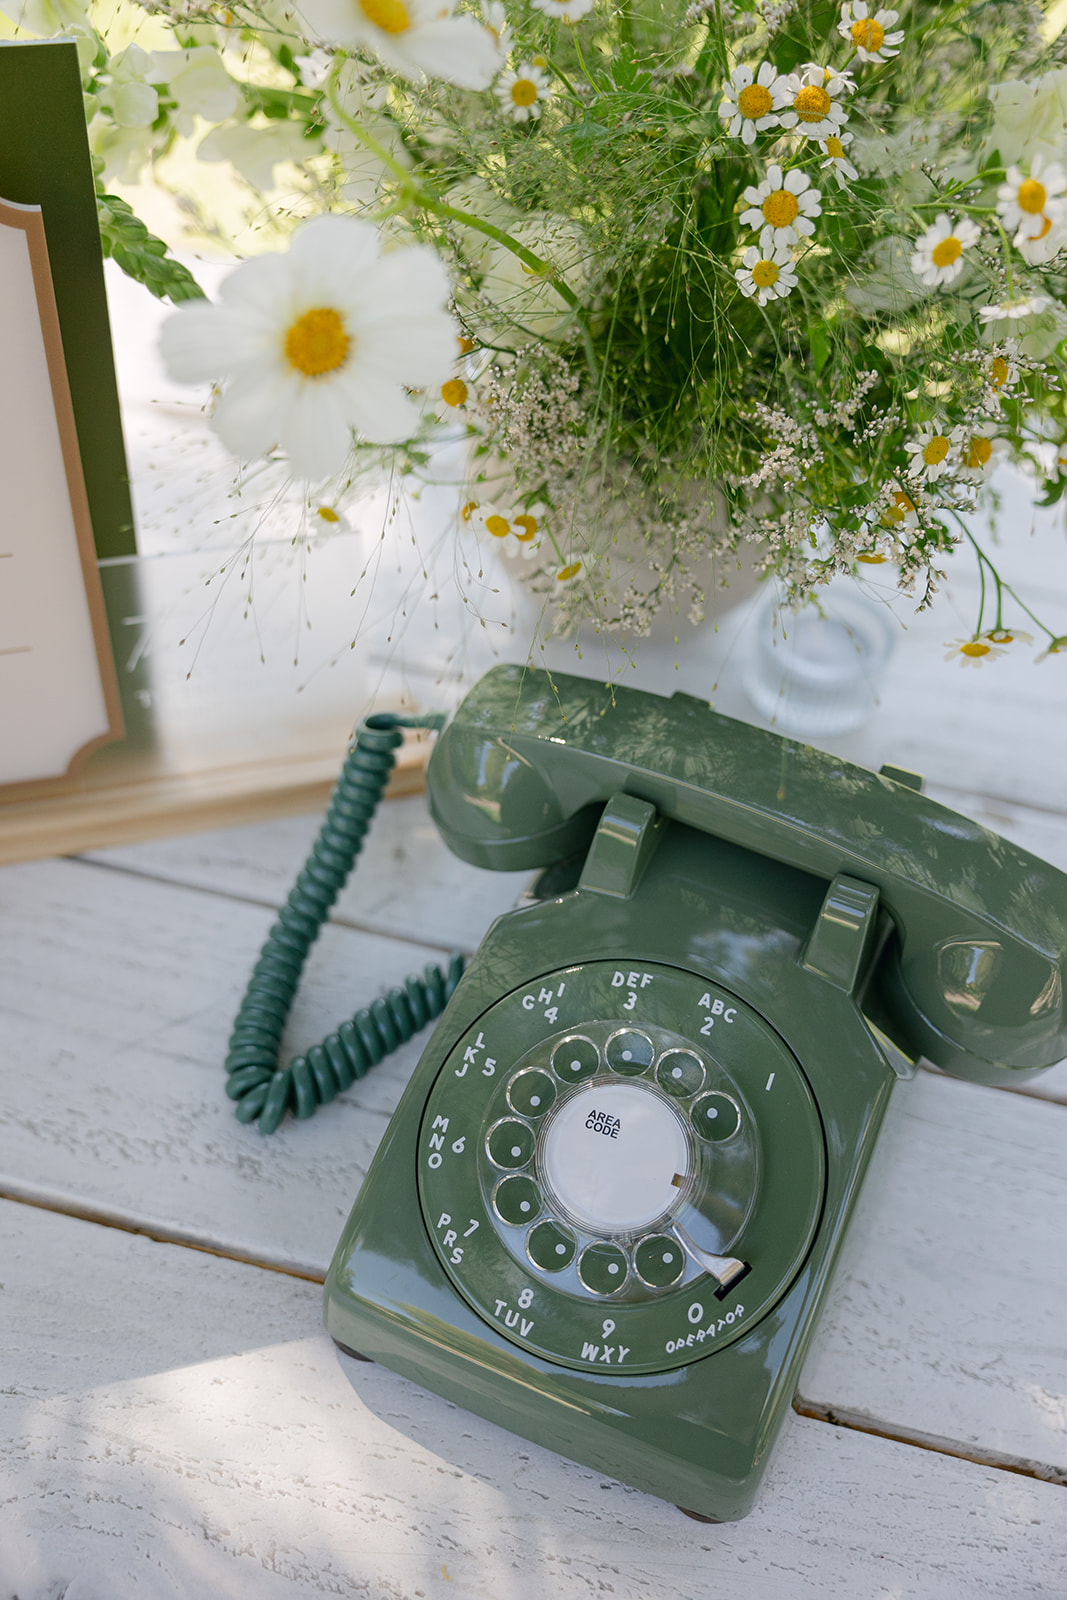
<point x="176" y="1423"/>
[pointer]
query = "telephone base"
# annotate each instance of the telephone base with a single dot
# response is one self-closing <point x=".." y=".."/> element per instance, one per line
<point x="346" y="1350"/>
<point x="698" y="1516"/>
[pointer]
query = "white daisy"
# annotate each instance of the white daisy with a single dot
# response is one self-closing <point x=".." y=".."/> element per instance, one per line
<point x="568" y="11"/>
<point x="971" y="652"/>
<point x="1061" y="458"/>
<point x="1039" y="248"/>
<point x="814" y="111"/>
<point x="1015" y="310"/>
<point x="1002" y="369"/>
<point x="869" y="34"/>
<point x="833" y="148"/>
<point x="782" y="207"/>
<point x="572" y="571"/>
<point x="523" y="93"/>
<point x="318" y="342"/>
<point x="1055" y="647"/>
<point x="934" y="451"/>
<point x="834" y="78"/>
<point x="496" y="21"/>
<point x="1004" y="636"/>
<point x="750" y="103"/>
<point x="978" y="453"/>
<point x="901" y="510"/>
<point x="1025" y="203"/>
<point x="415" y="38"/>
<point x="938" y="254"/>
<point x="513" y="533"/>
<point x="769" y="277"/>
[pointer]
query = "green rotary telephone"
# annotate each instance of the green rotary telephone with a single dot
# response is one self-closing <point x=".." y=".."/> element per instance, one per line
<point x="607" y="1209"/>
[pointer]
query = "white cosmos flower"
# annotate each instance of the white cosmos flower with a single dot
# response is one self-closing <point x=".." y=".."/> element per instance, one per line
<point x="1027" y="203"/>
<point x="938" y="254"/>
<point x="934" y="451"/>
<point x="869" y="33"/>
<point x="833" y="148"/>
<point x="768" y="277"/>
<point x="416" y="38"/>
<point x="750" y="103"/>
<point x="814" y="110"/>
<point x="318" y="342"/>
<point x="782" y="207"/>
<point x="199" y="82"/>
<point x="522" y="93"/>
<point x="563" y="10"/>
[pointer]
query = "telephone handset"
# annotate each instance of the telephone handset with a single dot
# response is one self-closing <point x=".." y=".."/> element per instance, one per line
<point x="607" y="1208"/>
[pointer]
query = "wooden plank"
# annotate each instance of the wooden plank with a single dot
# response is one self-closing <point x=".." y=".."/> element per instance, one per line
<point x="179" y="1425"/>
<point x="145" y="798"/>
<point x="952" y="1309"/>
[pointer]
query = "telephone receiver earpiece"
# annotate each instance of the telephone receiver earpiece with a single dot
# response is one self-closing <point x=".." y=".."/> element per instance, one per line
<point x="972" y="974"/>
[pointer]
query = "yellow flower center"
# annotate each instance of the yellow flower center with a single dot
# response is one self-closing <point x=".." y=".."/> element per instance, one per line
<point x="389" y="15"/>
<point x="812" y="103"/>
<point x="468" y="510"/>
<point x="834" y="148"/>
<point x="523" y="92"/>
<point x="902" y="504"/>
<point x="1046" y="224"/>
<point x="572" y="570"/>
<point x="974" y="648"/>
<point x="465" y="345"/>
<point x="978" y="452"/>
<point x="499" y="527"/>
<point x="1032" y="196"/>
<point x="867" y="34"/>
<point x="755" y="101"/>
<point x="872" y="559"/>
<point x="936" y="450"/>
<point x="454" y="392"/>
<point x="328" y="514"/>
<point x="1001" y="636"/>
<point x="780" y="208"/>
<point x="998" y="372"/>
<point x="528" y="525"/>
<point x="764" y="273"/>
<point x="317" y="342"/>
<point x="946" y="251"/>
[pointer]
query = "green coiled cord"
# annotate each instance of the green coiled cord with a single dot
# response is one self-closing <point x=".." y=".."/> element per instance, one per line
<point x="261" y="1087"/>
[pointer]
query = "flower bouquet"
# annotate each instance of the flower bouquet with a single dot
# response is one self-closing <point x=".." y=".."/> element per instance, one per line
<point x="685" y="278"/>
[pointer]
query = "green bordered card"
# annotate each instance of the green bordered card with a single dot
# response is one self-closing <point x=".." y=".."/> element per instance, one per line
<point x="64" y="488"/>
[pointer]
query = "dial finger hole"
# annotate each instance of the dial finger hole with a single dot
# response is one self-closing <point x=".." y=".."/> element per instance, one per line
<point x="575" y="1059"/>
<point x="531" y="1093"/>
<point x="660" y="1260"/>
<point x="680" y="1073"/>
<point x="550" y="1247"/>
<point x="629" y="1052"/>
<point x="716" y="1116"/>
<point x="517" y="1200"/>
<point x="603" y="1268"/>
<point x="510" y="1143"/>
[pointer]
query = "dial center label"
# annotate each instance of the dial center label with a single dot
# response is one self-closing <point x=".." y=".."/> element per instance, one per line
<point x="610" y="1154"/>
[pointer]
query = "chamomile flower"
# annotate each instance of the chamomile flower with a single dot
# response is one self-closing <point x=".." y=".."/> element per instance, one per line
<point x="751" y="103"/>
<point x="1006" y="636"/>
<point x="495" y="19"/>
<point x="938" y="254"/>
<point x="568" y="11"/>
<point x="1055" y="647"/>
<point x="901" y="511"/>
<point x="1002" y="369"/>
<point x="934" y="451"/>
<point x="869" y="34"/>
<point x="782" y="207"/>
<point x="1039" y="248"/>
<point x="833" y="148"/>
<point x="768" y="276"/>
<point x="978" y="452"/>
<point x="972" y="652"/>
<point x="1027" y="203"/>
<point x="814" y="111"/>
<point x="572" y="571"/>
<point x="1061" y="458"/>
<point x="834" y="79"/>
<point x="523" y="93"/>
<point x="415" y="38"/>
<point x="1031" y="305"/>
<point x="512" y="533"/>
<point x="318" y="342"/>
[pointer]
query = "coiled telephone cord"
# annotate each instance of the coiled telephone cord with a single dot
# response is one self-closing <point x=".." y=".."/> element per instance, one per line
<point x="261" y="1087"/>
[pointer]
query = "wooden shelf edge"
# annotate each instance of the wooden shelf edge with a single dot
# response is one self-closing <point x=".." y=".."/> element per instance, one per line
<point x="159" y="805"/>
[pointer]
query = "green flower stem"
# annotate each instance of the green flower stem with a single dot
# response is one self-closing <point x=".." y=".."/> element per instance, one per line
<point x="1002" y="587"/>
<point x="414" y="194"/>
<point x="1009" y="276"/>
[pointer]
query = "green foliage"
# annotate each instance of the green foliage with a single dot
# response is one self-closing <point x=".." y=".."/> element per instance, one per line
<point x="124" y="237"/>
